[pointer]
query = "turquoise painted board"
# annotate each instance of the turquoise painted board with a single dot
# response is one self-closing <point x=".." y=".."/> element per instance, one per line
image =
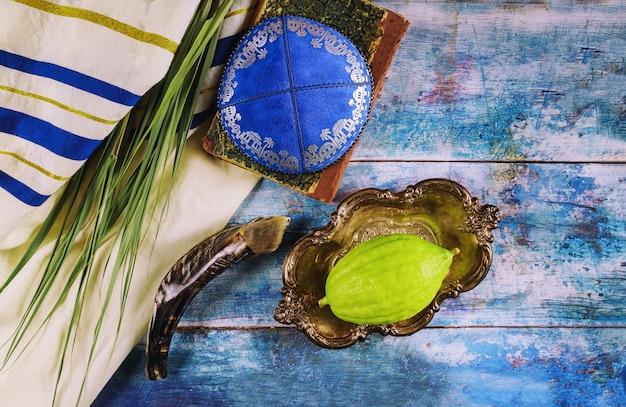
<point x="491" y="80"/>
<point x="559" y="249"/>
<point x="435" y="367"/>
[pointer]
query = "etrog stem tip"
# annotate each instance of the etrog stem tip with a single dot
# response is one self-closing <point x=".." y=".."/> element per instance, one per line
<point x="322" y="302"/>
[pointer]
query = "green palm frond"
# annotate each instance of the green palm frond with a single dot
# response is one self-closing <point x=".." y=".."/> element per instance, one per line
<point x="114" y="193"/>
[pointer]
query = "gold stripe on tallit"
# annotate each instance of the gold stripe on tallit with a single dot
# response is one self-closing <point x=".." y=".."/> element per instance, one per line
<point x="57" y="104"/>
<point x="103" y="20"/>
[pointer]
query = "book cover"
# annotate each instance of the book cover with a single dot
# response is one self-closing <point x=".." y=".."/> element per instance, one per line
<point x="377" y="33"/>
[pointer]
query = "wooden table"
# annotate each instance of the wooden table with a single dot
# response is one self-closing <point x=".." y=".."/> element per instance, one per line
<point x="524" y="104"/>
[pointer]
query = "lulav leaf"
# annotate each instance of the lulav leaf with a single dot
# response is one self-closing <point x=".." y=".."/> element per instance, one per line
<point x="114" y="193"/>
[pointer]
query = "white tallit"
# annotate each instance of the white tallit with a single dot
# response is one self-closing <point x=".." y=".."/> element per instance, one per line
<point x="69" y="70"/>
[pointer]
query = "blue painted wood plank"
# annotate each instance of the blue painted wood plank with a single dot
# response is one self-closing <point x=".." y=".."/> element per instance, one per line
<point x="559" y="250"/>
<point x="513" y="81"/>
<point x="435" y="367"/>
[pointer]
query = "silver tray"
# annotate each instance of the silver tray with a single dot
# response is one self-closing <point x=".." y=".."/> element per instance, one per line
<point x="438" y="210"/>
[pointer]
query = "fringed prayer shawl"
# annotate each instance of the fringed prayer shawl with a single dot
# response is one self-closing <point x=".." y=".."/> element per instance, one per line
<point x="69" y="71"/>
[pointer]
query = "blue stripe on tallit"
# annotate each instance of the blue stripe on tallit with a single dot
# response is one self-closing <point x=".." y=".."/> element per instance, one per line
<point x="200" y="117"/>
<point x="69" y="77"/>
<point x="225" y="47"/>
<point x="48" y="136"/>
<point x="21" y="191"/>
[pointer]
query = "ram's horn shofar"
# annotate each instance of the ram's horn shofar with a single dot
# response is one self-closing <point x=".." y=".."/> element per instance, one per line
<point x="194" y="270"/>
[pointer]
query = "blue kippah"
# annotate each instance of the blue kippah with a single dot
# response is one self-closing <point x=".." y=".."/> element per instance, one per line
<point x="295" y="95"/>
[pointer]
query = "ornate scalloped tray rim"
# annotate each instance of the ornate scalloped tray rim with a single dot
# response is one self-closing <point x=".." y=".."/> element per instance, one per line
<point x="418" y="209"/>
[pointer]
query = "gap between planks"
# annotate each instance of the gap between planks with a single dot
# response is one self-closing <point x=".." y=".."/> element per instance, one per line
<point x="396" y="160"/>
<point x="202" y="328"/>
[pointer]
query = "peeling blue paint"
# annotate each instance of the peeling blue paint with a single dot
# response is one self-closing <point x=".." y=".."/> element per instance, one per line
<point x="495" y="90"/>
<point x="481" y="367"/>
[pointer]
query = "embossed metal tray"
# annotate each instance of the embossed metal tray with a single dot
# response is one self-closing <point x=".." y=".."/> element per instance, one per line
<point x="438" y="210"/>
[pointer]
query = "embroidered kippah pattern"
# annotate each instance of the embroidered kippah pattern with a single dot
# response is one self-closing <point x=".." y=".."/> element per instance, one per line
<point x="295" y="95"/>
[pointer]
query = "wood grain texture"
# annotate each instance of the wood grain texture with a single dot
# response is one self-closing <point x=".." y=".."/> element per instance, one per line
<point x="559" y="250"/>
<point x="521" y="102"/>
<point x="434" y="367"/>
<point x="486" y="81"/>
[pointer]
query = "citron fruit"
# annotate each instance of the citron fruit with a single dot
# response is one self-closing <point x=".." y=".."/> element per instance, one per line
<point x="386" y="279"/>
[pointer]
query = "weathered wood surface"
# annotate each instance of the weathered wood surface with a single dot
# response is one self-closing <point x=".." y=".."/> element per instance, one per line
<point x="514" y="80"/>
<point x="523" y="103"/>
<point x="559" y="250"/>
<point x="436" y="367"/>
